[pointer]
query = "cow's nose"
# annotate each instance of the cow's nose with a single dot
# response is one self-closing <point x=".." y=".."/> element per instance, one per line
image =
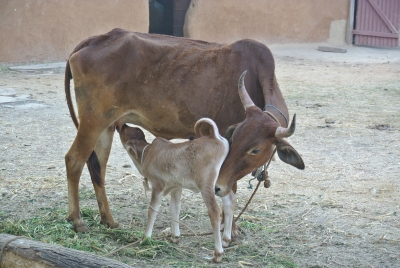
<point x="217" y="189"/>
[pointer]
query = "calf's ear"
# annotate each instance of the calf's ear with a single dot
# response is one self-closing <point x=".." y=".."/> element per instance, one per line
<point x="229" y="133"/>
<point x="288" y="154"/>
<point x="132" y="150"/>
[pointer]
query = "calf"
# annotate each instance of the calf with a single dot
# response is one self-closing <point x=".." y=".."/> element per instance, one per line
<point x="193" y="165"/>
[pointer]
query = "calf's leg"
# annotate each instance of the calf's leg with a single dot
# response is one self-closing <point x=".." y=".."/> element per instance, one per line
<point x="175" y="207"/>
<point x="156" y="197"/>
<point x="213" y="212"/>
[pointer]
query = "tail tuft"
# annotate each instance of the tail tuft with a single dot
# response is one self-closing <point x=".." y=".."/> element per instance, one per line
<point x="94" y="169"/>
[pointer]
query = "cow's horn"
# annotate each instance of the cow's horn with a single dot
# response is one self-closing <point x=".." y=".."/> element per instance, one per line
<point x="283" y="132"/>
<point x="244" y="96"/>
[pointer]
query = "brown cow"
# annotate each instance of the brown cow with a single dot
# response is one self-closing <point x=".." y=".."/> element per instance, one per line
<point x="165" y="84"/>
<point x="192" y="165"/>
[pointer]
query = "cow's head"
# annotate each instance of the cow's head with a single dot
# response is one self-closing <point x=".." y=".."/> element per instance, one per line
<point x="252" y="143"/>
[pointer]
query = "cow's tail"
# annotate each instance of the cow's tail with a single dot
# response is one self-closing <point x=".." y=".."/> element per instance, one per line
<point x="67" y="82"/>
<point x="93" y="162"/>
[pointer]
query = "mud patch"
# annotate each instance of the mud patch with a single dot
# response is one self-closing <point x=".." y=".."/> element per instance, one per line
<point x="9" y="99"/>
<point x="382" y="127"/>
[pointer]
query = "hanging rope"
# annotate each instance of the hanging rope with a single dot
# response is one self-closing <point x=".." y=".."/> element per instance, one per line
<point x="267" y="184"/>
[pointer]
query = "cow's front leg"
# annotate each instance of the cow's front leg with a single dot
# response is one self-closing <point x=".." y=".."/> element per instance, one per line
<point x="156" y="197"/>
<point x="213" y="213"/>
<point x="228" y="206"/>
<point x="103" y="148"/>
<point x="175" y="208"/>
<point x="235" y="232"/>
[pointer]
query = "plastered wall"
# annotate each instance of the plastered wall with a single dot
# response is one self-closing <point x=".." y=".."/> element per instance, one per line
<point x="268" y="21"/>
<point x="37" y="30"/>
<point x="40" y="30"/>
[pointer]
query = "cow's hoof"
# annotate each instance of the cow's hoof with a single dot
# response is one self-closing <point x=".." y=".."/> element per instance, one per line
<point x="110" y="224"/>
<point x="226" y="242"/>
<point x="174" y="239"/>
<point x="218" y="257"/>
<point x="238" y="233"/>
<point x="114" y="225"/>
<point x="81" y="229"/>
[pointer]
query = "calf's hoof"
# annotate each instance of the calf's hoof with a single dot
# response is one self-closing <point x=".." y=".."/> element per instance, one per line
<point x="145" y="241"/>
<point x="218" y="256"/>
<point x="225" y="242"/>
<point x="174" y="239"/>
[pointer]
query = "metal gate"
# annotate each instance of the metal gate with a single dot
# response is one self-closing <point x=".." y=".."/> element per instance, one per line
<point x="377" y="23"/>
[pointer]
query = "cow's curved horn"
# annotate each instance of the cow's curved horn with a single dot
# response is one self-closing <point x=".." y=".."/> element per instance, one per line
<point x="244" y="96"/>
<point x="283" y="132"/>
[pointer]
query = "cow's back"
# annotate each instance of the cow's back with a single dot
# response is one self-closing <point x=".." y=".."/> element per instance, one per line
<point x="167" y="83"/>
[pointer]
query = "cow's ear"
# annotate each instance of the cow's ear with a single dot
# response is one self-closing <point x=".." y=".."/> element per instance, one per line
<point x="288" y="154"/>
<point x="132" y="150"/>
<point x="229" y="133"/>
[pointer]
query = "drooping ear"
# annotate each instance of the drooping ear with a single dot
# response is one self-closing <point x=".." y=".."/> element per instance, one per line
<point x="288" y="154"/>
<point x="229" y="133"/>
<point x="132" y="150"/>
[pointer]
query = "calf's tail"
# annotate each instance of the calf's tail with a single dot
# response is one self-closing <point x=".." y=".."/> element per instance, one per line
<point x="206" y="127"/>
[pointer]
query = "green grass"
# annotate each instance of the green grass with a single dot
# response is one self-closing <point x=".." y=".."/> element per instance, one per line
<point x="50" y="226"/>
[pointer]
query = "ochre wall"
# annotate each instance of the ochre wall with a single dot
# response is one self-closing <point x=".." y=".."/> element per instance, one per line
<point x="40" y="30"/>
<point x="268" y="21"/>
<point x="37" y="30"/>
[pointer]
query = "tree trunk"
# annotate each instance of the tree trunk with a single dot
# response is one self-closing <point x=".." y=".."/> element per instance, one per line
<point x="21" y="252"/>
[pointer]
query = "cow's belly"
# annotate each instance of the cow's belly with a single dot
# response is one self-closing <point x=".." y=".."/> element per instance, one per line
<point x="167" y="125"/>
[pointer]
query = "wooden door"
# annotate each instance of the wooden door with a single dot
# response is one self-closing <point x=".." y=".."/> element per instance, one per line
<point x="377" y="23"/>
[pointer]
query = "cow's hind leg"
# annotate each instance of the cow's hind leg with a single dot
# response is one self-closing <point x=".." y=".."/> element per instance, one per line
<point x="102" y="150"/>
<point x="78" y="154"/>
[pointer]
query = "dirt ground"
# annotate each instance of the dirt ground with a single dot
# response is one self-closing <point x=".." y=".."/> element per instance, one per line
<point x="343" y="210"/>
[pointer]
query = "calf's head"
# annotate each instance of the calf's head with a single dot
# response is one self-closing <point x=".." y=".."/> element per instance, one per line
<point x="252" y="143"/>
<point x="134" y="142"/>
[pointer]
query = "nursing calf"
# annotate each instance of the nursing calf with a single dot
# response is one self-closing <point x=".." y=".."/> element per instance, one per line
<point x="192" y="165"/>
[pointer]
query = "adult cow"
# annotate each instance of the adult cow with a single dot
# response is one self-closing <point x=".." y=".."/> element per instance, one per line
<point x="165" y="84"/>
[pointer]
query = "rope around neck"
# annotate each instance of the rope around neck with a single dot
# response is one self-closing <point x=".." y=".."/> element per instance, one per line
<point x="272" y="106"/>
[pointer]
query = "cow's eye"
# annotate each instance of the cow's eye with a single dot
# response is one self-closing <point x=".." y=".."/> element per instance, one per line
<point x="255" y="151"/>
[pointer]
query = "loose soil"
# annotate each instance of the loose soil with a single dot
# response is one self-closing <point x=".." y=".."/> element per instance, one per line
<point x="341" y="211"/>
